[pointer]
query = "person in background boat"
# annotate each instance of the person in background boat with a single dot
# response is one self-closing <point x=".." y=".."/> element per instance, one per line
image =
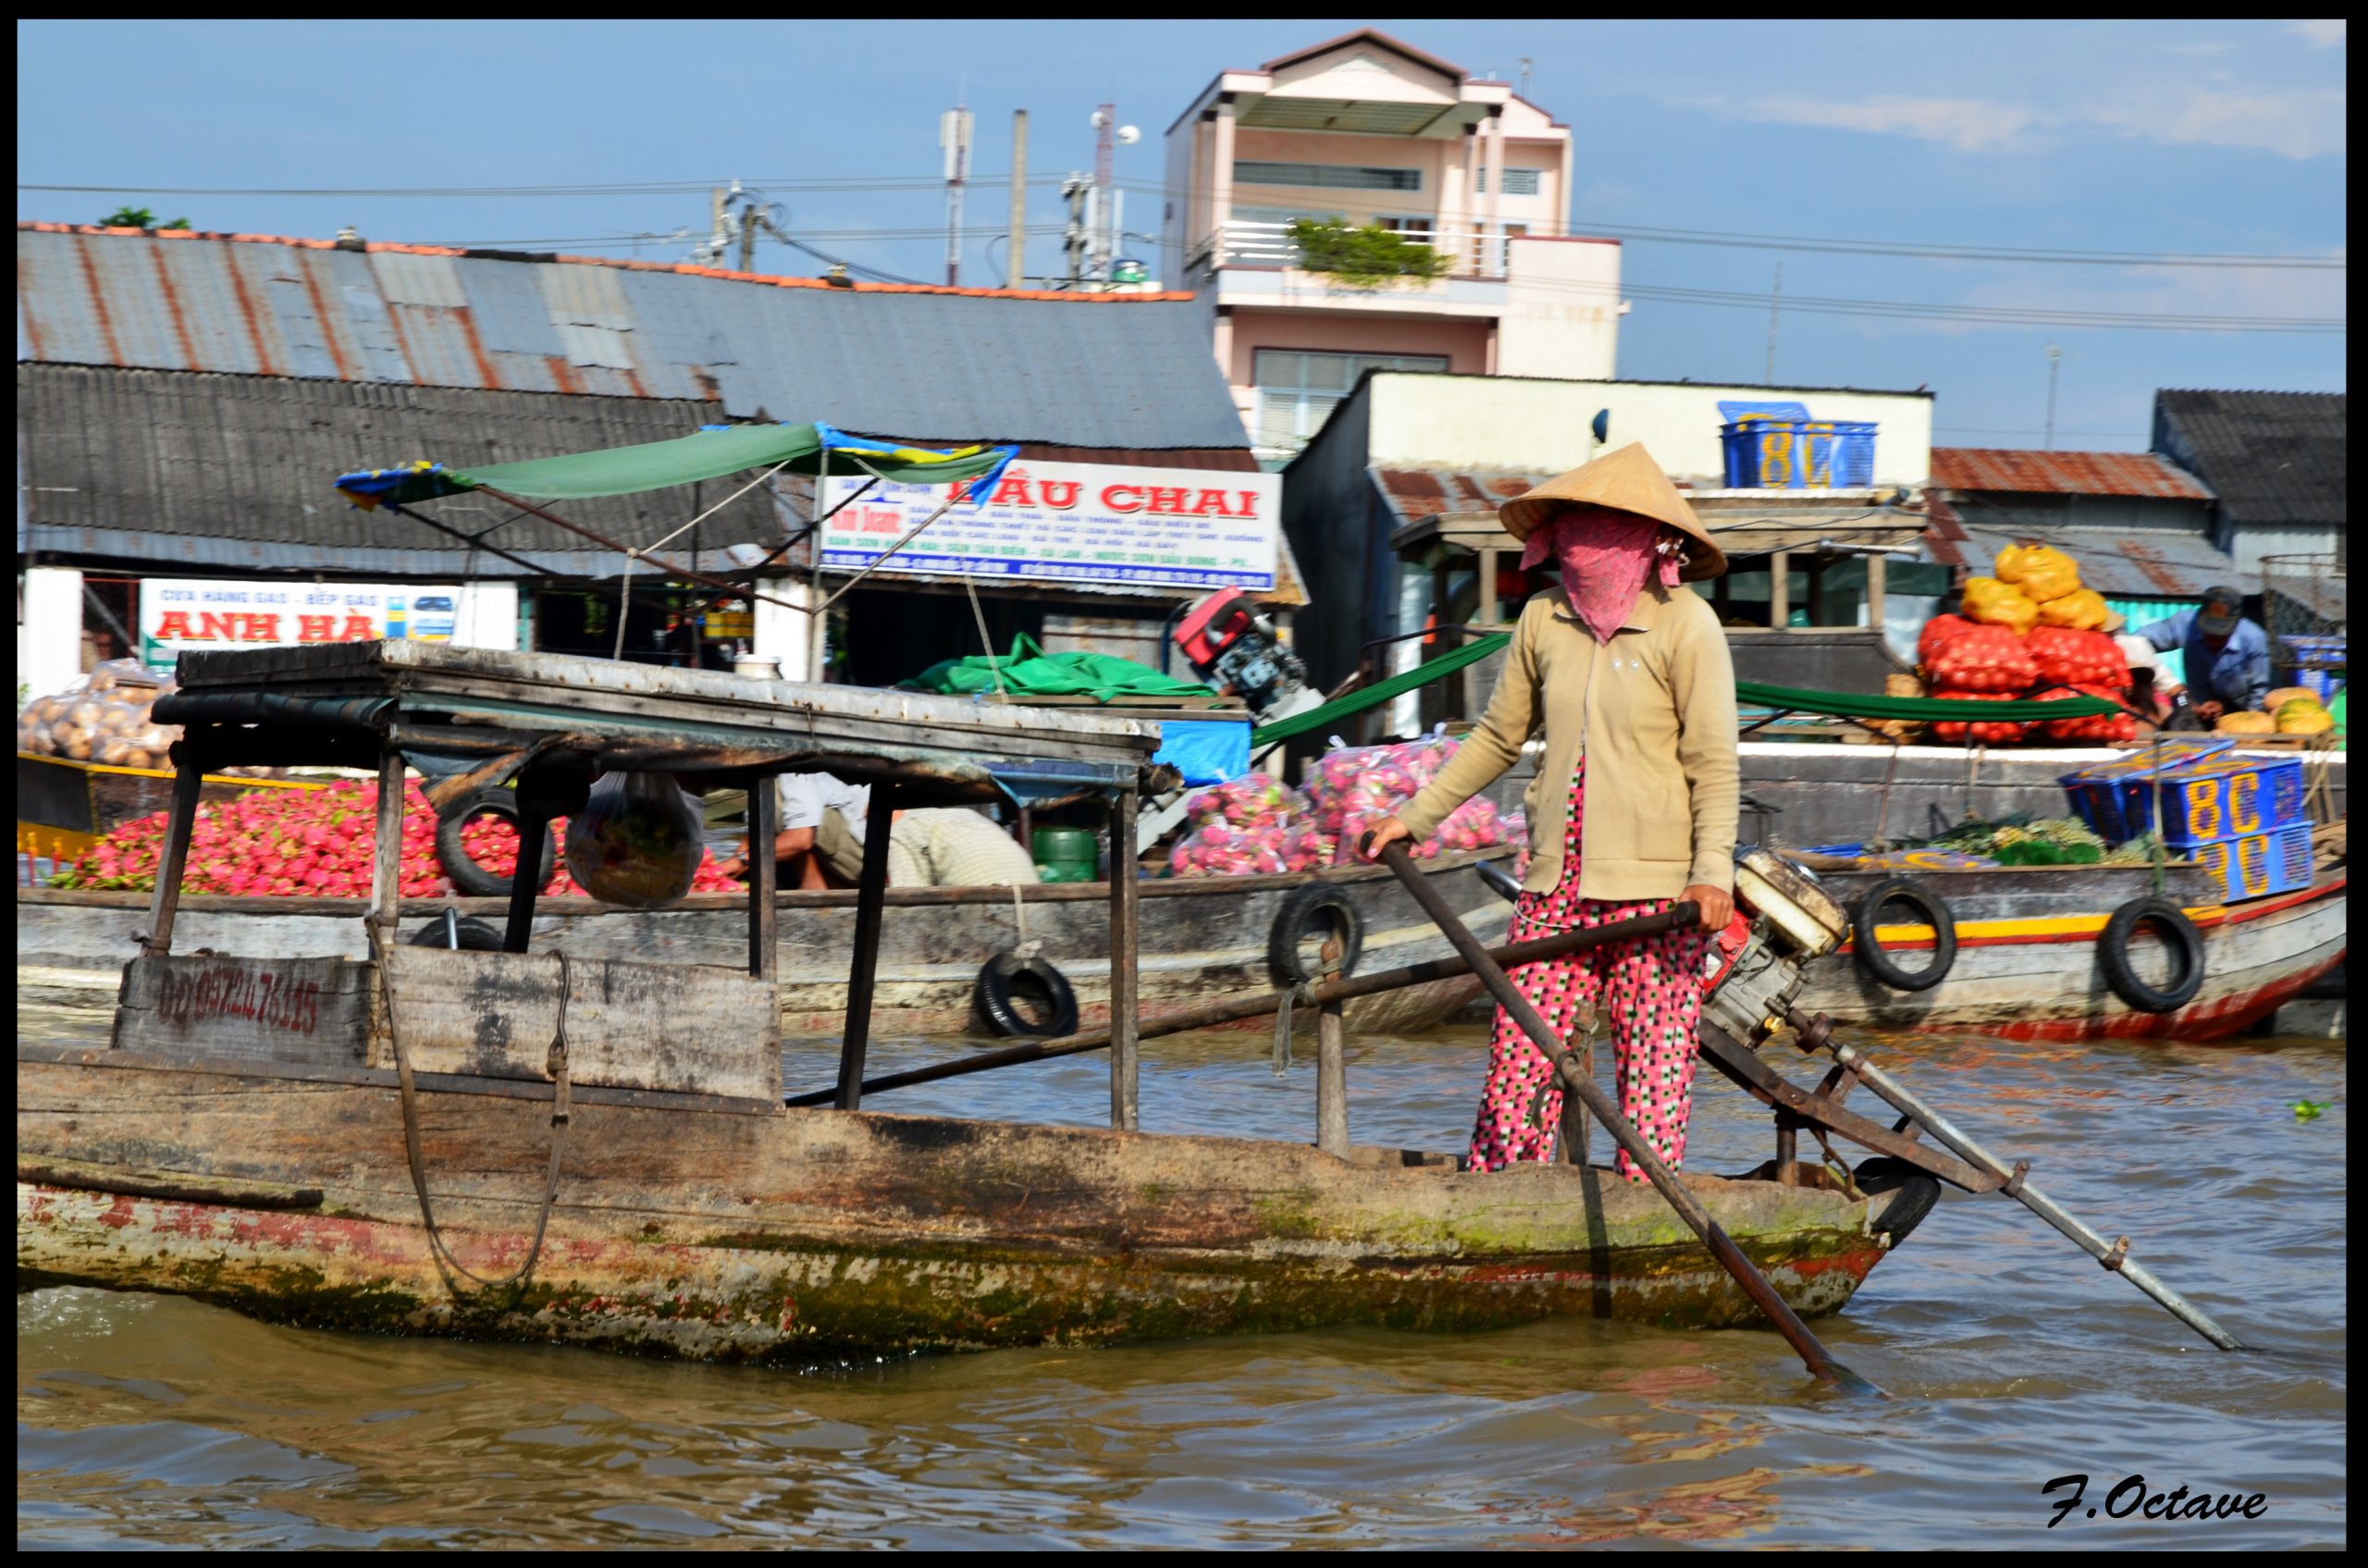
<point x="1634" y="807"/>
<point x="2227" y="656"/>
<point x="806" y="800"/>
<point x="820" y="842"/>
<point x="2144" y="693"/>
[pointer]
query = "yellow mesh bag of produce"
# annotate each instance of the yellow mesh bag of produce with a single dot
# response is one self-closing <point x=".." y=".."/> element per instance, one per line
<point x="1995" y="603"/>
<point x="2083" y="610"/>
<point x="2041" y="571"/>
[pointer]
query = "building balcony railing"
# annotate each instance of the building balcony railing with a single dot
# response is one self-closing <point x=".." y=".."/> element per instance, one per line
<point x="1244" y="243"/>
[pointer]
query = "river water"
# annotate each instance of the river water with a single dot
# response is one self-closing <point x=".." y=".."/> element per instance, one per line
<point x="2010" y="1360"/>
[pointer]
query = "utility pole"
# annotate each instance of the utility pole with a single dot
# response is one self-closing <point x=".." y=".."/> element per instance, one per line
<point x="953" y="135"/>
<point x="713" y="251"/>
<point x="748" y="221"/>
<point x="1105" y="122"/>
<point x="1016" y="252"/>
<point x="2054" y="360"/>
<point x="1073" y="191"/>
<point x="1524" y="75"/>
<point x="1775" y="304"/>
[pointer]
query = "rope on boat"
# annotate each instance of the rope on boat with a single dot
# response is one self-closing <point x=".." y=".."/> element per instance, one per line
<point x="555" y="1063"/>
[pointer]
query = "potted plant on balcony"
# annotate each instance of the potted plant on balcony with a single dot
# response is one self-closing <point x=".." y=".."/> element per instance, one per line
<point x="1367" y="257"/>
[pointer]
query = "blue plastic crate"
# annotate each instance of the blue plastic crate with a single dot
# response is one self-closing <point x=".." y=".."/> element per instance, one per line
<point x="1762" y="453"/>
<point x="2260" y="863"/>
<point x="2116" y="798"/>
<point x="2231" y="797"/>
<point x="2317" y="653"/>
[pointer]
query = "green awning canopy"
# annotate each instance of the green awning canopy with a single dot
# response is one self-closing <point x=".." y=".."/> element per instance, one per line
<point x="710" y="453"/>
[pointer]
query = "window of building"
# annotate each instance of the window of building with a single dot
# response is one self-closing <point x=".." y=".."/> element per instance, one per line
<point x="1518" y="182"/>
<point x="1297" y="390"/>
<point x="1329" y="176"/>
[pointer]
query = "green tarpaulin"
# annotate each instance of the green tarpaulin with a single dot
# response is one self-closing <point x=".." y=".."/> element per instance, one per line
<point x="709" y="454"/>
<point x="1748" y="693"/>
<point x="1029" y="670"/>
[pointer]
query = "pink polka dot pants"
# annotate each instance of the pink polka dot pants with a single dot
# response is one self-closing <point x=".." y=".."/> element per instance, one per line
<point x="1649" y="991"/>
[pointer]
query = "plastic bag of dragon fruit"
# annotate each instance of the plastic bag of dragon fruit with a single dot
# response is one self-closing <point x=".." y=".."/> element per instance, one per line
<point x="1350" y="786"/>
<point x="1254" y="825"/>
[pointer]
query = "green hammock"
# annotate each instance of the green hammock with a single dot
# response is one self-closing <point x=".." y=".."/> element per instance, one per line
<point x="1748" y="693"/>
<point x="1029" y="670"/>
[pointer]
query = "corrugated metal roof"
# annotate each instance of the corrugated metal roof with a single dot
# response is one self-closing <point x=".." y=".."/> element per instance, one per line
<point x="1082" y="370"/>
<point x="2064" y="472"/>
<point x="2153" y="565"/>
<point x="234" y="470"/>
<point x="2274" y="457"/>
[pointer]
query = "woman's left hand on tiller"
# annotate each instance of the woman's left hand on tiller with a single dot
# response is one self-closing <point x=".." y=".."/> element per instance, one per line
<point x="1717" y="903"/>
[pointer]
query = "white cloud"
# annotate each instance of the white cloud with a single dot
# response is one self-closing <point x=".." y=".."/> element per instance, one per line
<point x="2294" y="123"/>
<point x="2320" y="34"/>
<point x="2300" y="124"/>
<point x="1970" y="125"/>
<point x="2201" y="51"/>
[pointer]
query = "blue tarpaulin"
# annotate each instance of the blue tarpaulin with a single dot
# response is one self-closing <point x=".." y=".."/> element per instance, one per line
<point x="1206" y="751"/>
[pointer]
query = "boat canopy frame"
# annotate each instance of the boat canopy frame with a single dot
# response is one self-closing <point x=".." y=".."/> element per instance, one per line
<point x="552" y="723"/>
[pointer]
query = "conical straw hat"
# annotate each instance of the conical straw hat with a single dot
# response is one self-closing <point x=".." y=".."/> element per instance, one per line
<point x="1626" y="480"/>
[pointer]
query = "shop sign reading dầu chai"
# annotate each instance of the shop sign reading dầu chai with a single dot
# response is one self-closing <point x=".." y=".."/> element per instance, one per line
<point x="1070" y="522"/>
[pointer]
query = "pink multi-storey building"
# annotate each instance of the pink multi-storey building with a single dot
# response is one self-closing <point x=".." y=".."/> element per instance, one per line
<point x="1369" y="129"/>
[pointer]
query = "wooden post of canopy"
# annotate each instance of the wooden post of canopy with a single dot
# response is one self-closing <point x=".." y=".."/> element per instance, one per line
<point x="871" y="898"/>
<point x="764" y="816"/>
<point x="387" y="847"/>
<point x="1125" y="911"/>
<point x="189" y="779"/>
<point x="1780" y="590"/>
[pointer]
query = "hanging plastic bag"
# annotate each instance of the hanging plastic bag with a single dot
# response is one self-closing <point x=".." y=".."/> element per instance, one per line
<point x="1995" y="603"/>
<point x="1986" y="658"/>
<point x="636" y="841"/>
<point x="2083" y="610"/>
<point x="2042" y="573"/>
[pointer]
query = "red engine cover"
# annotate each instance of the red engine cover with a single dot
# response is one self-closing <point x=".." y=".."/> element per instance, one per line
<point x="1725" y="948"/>
<point x="1212" y="627"/>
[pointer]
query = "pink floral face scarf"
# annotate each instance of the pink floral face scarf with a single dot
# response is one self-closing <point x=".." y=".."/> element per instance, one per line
<point x="1606" y="558"/>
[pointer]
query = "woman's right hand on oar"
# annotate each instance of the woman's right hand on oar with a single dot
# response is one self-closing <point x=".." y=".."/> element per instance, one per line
<point x="1380" y="834"/>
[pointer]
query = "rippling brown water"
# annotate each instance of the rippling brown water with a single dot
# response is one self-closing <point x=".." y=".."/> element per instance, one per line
<point x="2010" y="1357"/>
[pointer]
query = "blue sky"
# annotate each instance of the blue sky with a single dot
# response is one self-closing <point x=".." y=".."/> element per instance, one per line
<point x="2155" y="137"/>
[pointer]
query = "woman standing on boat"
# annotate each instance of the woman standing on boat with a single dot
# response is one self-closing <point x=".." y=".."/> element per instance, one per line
<point x="1628" y="672"/>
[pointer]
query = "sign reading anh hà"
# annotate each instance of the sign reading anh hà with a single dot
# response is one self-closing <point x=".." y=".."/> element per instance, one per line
<point x="1071" y="522"/>
<point x="178" y="615"/>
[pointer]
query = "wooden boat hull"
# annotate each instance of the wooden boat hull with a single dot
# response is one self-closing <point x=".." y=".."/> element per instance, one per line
<point x="2037" y="977"/>
<point x="738" y="1231"/>
<point x="1202" y="939"/>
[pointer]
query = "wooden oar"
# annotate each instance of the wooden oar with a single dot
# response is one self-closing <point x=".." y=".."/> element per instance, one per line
<point x="2114" y="1255"/>
<point x="1755" y="1285"/>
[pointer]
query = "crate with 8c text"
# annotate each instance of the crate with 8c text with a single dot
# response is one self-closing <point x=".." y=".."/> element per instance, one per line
<point x="2116" y="798"/>
<point x="2277" y="861"/>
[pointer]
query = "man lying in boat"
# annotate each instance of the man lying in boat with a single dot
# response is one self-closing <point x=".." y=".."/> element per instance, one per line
<point x="821" y="842"/>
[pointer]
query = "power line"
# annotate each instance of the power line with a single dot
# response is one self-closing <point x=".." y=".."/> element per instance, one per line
<point x="889" y="184"/>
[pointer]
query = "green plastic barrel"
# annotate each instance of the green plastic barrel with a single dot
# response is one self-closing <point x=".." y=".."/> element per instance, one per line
<point x="1066" y="853"/>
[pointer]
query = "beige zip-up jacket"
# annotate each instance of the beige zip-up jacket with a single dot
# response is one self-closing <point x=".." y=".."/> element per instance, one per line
<point x="1653" y="711"/>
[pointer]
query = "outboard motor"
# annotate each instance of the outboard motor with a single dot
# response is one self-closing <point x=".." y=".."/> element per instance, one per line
<point x="1782" y="920"/>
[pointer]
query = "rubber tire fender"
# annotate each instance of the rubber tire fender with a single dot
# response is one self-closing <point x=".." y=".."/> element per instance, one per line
<point x="2113" y="953"/>
<point x="476" y="935"/>
<point x="468" y="876"/>
<point x="1300" y="915"/>
<point x="995" y="983"/>
<point x="1876" y="963"/>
